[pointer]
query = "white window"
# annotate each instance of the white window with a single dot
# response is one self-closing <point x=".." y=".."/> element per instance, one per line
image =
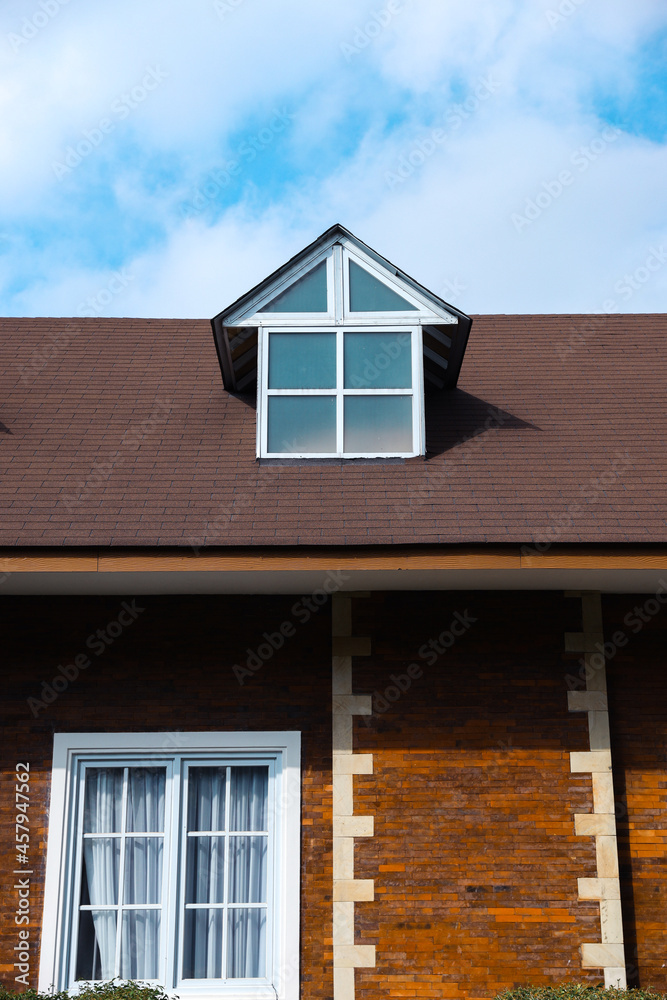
<point x="173" y="859"/>
<point x="349" y="391"/>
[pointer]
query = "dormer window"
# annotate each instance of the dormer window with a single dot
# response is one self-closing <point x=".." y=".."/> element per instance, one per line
<point x="339" y="345"/>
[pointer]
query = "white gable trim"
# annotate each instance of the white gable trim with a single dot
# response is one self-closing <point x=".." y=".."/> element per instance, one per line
<point x="427" y="309"/>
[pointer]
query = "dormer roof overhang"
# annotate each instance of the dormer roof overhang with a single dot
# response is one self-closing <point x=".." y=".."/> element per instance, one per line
<point x="445" y="328"/>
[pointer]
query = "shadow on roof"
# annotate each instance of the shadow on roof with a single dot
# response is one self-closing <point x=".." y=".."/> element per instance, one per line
<point x="454" y="417"/>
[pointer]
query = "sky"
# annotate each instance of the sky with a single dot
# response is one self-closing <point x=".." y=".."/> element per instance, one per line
<point x="159" y="158"/>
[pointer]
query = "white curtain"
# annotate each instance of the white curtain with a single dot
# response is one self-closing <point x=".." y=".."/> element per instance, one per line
<point x="247" y="882"/>
<point x="142" y="884"/>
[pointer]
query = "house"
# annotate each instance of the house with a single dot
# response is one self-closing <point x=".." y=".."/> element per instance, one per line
<point x="333" y="644"/>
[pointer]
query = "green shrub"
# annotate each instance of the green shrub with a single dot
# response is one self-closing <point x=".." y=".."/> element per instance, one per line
<point x="115" y="990"/>
<point x="577" y="991"/>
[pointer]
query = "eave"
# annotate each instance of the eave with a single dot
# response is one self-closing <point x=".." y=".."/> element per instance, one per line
<point x="611" y="569"/>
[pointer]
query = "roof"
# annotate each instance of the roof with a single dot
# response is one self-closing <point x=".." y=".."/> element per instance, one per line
<point x="118" y="432"/>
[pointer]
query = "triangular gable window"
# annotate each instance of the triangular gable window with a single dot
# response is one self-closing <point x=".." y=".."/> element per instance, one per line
<point x="368" y="294"/>
<point x="307" y="295"/>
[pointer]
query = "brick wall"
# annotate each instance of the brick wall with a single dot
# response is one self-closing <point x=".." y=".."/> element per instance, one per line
<point x="171" y="669"/>
<point x="474" y="858"/>
<point x="637" y="685"/>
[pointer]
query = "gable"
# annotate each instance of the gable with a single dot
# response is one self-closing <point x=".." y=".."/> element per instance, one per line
<point x="339" y="279"/>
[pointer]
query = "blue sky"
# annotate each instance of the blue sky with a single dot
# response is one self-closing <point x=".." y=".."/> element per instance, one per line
<point x="159" y="158"/>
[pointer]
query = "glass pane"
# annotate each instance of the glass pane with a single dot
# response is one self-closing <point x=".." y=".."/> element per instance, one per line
<point x="143" y="870"/>
<point x="246" y="944"/>
<point x="302" y="361"/>
<point x="96" y="947"/>
<point x="247" y="869"/>
<point x="205" y="869"/>
<point x="378" y="424"/>
<point x="145" y="805"/>
<point x="308" y="294"/>
<point x="140" y="944"/>
<point x="202" y="944"/>
<point x="101" y="865"/>
<point x="206" y="798"/>
<point x="249" y="798"/>
<point x="103" y="800"/>
<point x="302" y="424"/>
<point x="378" y="360"/>
<point x="367" y="294"/>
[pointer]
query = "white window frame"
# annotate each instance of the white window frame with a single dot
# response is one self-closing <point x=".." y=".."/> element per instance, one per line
<point x="281" y="750"/>
<point x="287" y="283"/>
<point x="416" y="391"/>
<point x="377" y="318"/>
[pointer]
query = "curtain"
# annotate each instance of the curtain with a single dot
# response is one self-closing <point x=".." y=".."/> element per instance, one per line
<point x="103" y="801"/>
<point x="143" y="861"/>
<point x="207" y="908"/>
<point x="246" y="933"/>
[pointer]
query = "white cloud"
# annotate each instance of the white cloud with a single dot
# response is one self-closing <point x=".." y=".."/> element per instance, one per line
<point x="448" y="222"/>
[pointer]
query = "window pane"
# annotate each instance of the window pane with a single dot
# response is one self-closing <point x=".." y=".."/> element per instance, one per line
<point x="140" y="944"/>
<point x="246" y="944"/>
<point x="308" y="294"/>
<point x="302" y="424"/>
<point x="101" y="865"/>
<point x="202" y="944"/>
<point x="145" y="806"/>
<point x="378" y="424"/>
<point x="249" y="798"/>
<point x="378" y="360"/>
<point x="205" y="869"/>
<point x="103" y="800"/>
<point x="247" y="869"/>
<point x="367" y="294"/>
<point x="143" y="870"/>
<point x="96" y="947"/>
<point x="206" y="798"/>
<point x="302" y="361"/>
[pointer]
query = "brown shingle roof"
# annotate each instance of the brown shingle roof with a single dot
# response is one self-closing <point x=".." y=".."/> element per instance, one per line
<point x="119" y="432"/>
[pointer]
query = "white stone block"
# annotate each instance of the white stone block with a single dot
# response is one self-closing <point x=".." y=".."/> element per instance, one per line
<point x="602" y="956"/>
<point x="360" y="890"/>
<point x="356" y="956"/>
<point x="353" y="826"/>
<point x="597" y="761"/>
<point x="595" y="824"/>
<point x="599" y="888"/>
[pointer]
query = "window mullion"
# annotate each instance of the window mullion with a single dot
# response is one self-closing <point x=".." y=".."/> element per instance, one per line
<point x="225" y="889"/>
<point x="340" y="382"/>
<point x="121" y="870"/>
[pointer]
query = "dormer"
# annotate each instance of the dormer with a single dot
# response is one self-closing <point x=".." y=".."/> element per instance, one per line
<point x="340" y="346"/>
